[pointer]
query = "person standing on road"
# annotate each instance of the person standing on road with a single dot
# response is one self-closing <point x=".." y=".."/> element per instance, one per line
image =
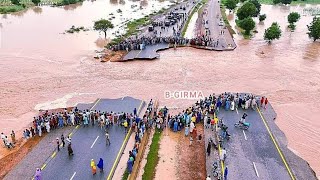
<point x="223" y="154"/>
<point x="125" y="125"/>
<point x="261" y="101"/>
<point x="93" y="167"/>
<point x="69" y="140"/>
<point x="62" y="140"/>
<point x="70" y="150"/>
<point x="209" y="148"/>
<point x="225" y="173"/>
<point x="265" y="103"/>
<point x="135" y="112"/>
<point x="100" y="165"/>
<point x="58" y="144"/>
<point x="37" y="175"/>
<point x="253" y="103"/>
<point x="107" y="138"/>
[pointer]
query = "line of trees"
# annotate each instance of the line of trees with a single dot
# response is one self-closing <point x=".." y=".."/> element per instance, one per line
<point x="252" y="8"/>
<point x="285" y="2"/>
<point x="18" y="2"/>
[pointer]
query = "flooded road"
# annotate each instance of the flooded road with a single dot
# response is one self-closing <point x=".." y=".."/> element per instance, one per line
<point x="41" y="68"/>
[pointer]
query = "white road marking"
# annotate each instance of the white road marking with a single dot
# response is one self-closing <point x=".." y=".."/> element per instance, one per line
<point x="94" y="141"/>
<point x="237" y="110"/>
<point x="255" y="168"/>
<point x="245" y="137"/>
<point x="73" y="175"/>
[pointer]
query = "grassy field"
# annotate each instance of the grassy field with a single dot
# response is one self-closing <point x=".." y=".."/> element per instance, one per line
<point x="153" y="157"/>
<point x="293" y="2"/>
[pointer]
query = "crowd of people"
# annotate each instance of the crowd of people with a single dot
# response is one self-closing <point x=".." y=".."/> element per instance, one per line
<point x="139" y="127"/>
<point x="206" y="111"/>
<point x="7" y="143"/>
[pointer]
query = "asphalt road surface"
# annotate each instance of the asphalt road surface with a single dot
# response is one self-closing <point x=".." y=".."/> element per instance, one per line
<point x="87" y="143"/>
<point x="251" y="153"/>
<point x="90" y="143"/>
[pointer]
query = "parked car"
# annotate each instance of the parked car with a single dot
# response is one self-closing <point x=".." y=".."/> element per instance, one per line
<point x="170" y="17"/>
<point x="150" y="28"/>
<point x="173" y="21"/>
<point x="221" y="23"/>
<point x="167" y="23"/>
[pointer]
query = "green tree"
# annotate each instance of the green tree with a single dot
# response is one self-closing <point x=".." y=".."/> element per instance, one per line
<point x="15" y="2"/>
<point x="272" y="33"/>
<point x="36" y="2"/>
<point x="314" y="29"/>
<point x="286" y="2"/>
<point x="257" y="5"/>
<point x="247" y="24"/>
<point x="243" y="1"/>
<point x="103" y="25"/>
<point x="293" y="17"/>
<point x="262" y="17"/>
<point x="276" y="1"/>
<point x="248" y="9"/>
<point x="231" y="4"/>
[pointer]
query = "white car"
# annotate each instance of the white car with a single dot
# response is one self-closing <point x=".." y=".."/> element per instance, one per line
<point x="221" y="23"/>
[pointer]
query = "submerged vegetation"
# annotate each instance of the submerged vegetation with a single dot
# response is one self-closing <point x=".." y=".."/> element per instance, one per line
<point x="74" y="29"/>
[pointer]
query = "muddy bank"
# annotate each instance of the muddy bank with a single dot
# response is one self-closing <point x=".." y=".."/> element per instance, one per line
<point x="179" y="160"/>
<point x="8" y="162"/>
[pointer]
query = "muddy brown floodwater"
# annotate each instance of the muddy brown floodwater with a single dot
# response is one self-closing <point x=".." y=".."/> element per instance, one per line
<point x="41" y="68"/>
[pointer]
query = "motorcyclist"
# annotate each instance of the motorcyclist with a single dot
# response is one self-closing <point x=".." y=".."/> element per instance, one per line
<point x="243" y="118"/>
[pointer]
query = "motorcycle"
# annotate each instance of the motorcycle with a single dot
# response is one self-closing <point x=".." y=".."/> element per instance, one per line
<point x="242" y="125"/>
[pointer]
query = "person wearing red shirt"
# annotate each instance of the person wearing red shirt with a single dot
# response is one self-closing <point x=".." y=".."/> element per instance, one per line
<point x="265" y="103"/>
<point x="261" y="101"/>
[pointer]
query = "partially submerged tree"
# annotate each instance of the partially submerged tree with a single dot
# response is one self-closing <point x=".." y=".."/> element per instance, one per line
<point x="15" y="2"/>
<point x="285" y="2"/>
<point x="262" y="17"/>
<point x="293" y="18"/>
<point x="314" y="29"/>
<point x="248" y="9"/>
<point x="103" y="25"/>
<point x="231" y="4"/>
<point x="247" y="24"/>
<point x="272" y="33"/>
<point x="276" y="1"/>
<point x="36" y="2"/>
<point x="257" y="5"/>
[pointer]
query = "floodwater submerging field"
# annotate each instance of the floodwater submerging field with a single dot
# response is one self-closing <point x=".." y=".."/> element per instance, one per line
<point x="39" y="65"/>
